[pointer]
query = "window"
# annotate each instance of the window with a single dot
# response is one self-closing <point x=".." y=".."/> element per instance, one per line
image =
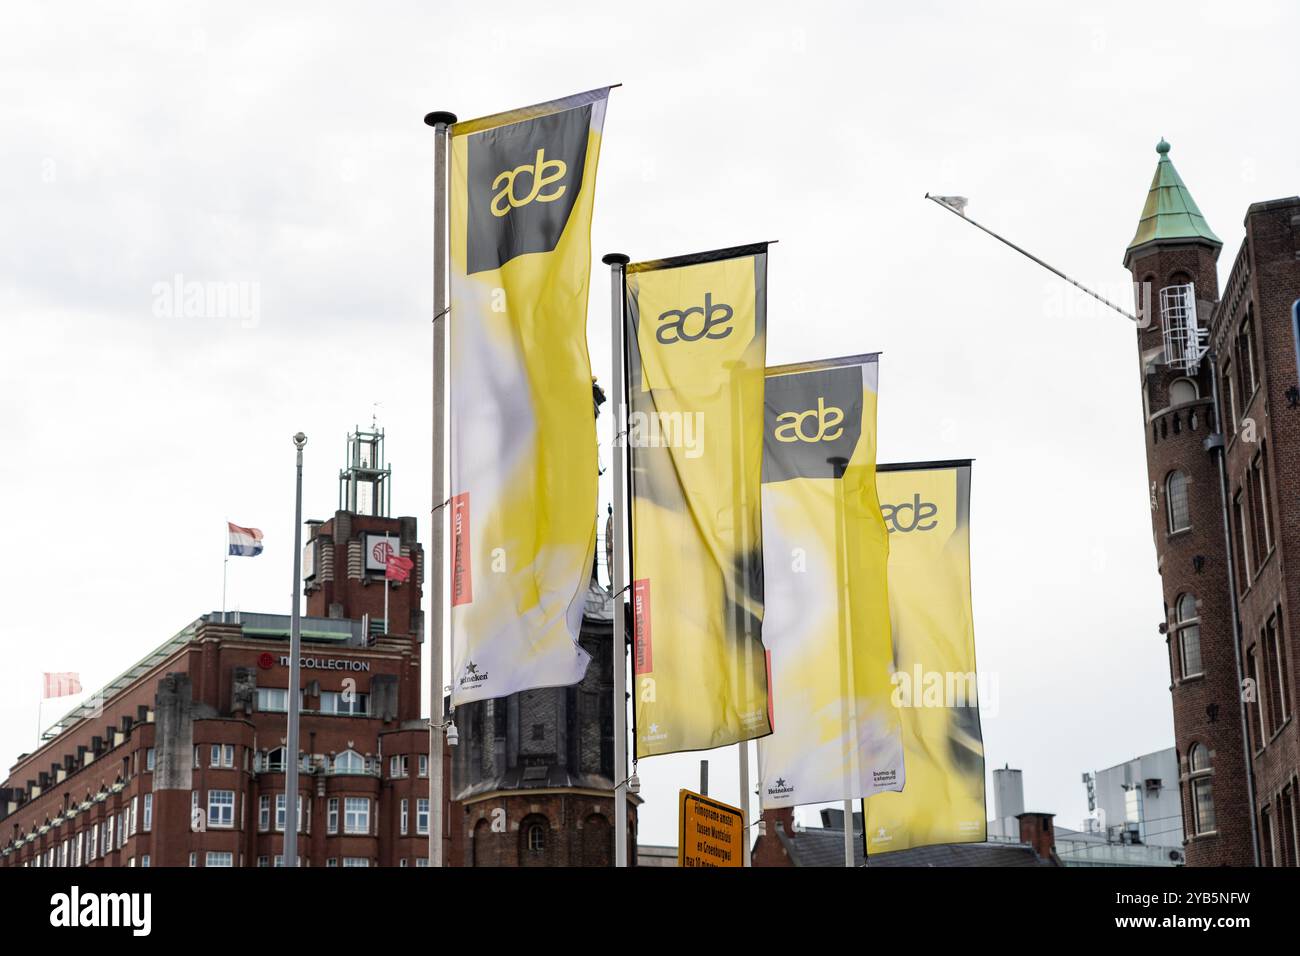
<point x="344" y="703"/>
<point x="1199" y="774"/>
<point x="1230" y="396"/>
<point x="356" y="815"/>
<point x="332" y="862"/>
<point x="1261" y="534"/>
<point x="94" y="840"/>
<point x="402" y="864"/>
<point x="274" y="760"/>
<point x="227" y="755"/>
<point x="148" y="812"/>
<point x="221" y="808"/>
<point x="144" y="860"/>
<point x="398" y="765"/>
<point x="1188" y="628"/>
<point x="1239" y="525"/>
<point x="1182" y="391"/>
<point x="220" y="859"/>
<point x="424" y="765"/>
<point x="279" y="813"/>
<point x="1274" y="692"/>
<point x="196" y="757"/>
<point x="108" y="837"/>
<point x="216" y="756"/>
<point x="356" y="861"/>
<point x="194" y="859"/>
<point x="279" y="860"/>
<point x="536" y="838"/>
<point x="422" y="815"/>
<point x="332" y="815"/>
<point x="1176" y="504"/>
<point x="264" y="812"/>
<point x="405" y="815"/>
<point x="421" y="861"/>
<point x="349" y="761"/>
<point x="135" y="805"/>
<point x="150" y="758"/>
<point x="1247" y="372"/>
<point x="264" y="861"/>
<point x="273" y="699"/>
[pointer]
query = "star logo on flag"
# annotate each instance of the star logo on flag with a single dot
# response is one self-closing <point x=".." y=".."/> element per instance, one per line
<point x="471" y="668"/>
<point x="780" y="781"/>
<point x="881" y="833"/>
<point x="654" y="728"/>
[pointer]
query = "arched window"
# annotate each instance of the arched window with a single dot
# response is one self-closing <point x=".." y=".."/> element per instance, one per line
<point x="1187" y="626"/>
<point x="534" y="830"/>
<point x="1183" y="390"/>
<point x="275" y="759"/>
<point x="349" y="761"/>
<point x="536" y="838"/>
<point x="1200" y="774"/>
<point x="1176" y="505"/>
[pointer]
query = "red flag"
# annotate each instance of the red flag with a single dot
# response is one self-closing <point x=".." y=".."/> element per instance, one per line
<point x="397" y="568"/>
<point x="61" y="684"/>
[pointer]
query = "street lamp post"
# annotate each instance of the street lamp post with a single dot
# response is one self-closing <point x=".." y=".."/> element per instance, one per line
<point x="292" y="766"/>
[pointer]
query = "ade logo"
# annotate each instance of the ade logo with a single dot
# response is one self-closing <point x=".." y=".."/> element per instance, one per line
<point x="523" y="181"/>
<point x="827" y="424"/>
<point x="914" y="515"/>
<point x="812" y="422"/>
<point x="537" y="175"/>
<point x="713" y="322"/>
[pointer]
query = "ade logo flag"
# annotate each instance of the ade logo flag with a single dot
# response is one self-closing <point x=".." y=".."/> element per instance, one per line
<point x="523" y="437"/>
<point x="927" y="507"/>
<point x="696" y="341"/>
<point x="836" y="735"/>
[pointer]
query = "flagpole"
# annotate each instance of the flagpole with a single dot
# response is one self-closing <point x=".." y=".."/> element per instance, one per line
<point x="388" y="550"/>
<point x="617" y="263"/>
<point x="293" y="765"/>
<point x="441" y="123"/>
<point x="839" y="467"/>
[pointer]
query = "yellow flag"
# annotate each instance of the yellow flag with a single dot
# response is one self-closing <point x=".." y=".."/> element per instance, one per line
<point x="927" y="511"/>
<point x="836" y="733"/>
<point x="696" y="352"/>
<point x="523" y="436"/>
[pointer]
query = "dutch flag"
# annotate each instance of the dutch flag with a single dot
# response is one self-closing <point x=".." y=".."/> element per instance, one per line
<point x="244" y="542"/>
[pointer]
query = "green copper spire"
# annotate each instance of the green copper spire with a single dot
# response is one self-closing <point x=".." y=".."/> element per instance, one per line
<point x="1170" y="212"/>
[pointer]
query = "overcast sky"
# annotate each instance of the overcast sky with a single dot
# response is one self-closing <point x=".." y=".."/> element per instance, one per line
<point x="284" y="149"/>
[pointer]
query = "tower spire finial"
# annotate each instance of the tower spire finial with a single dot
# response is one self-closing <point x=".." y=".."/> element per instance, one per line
<point x="1162" y="147"/>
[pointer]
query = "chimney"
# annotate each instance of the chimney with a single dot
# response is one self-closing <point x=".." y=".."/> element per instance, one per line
<point x="1036" y="829"/>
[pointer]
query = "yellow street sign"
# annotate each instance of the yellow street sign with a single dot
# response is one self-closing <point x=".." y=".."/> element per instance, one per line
<point x="708" y="833"/>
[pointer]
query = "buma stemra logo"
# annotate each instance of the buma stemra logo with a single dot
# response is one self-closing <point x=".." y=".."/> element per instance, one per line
<point x="827" y="424"/>
<point x="713" y="322"/>
<point x="539" y="175"/>
<point x="914" y="515"/>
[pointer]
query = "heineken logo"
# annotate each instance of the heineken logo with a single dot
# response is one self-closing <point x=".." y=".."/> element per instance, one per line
<point x="779" y="788"/>
<point x="472" y="675"/>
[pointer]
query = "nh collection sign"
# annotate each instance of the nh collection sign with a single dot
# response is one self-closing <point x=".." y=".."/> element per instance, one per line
<point x="327" y="664"/>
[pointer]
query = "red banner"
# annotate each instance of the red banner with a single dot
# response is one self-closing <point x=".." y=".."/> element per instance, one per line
<point x="462" y="588"/>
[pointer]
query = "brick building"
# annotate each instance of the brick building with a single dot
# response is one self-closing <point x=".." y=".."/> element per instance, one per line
<point x="533" y="776"/>
<point x="1222" y="424"/>
<point x="180" y="760"/>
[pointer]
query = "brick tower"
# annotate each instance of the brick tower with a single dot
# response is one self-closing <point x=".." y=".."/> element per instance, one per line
<point x="1173" y="259"/>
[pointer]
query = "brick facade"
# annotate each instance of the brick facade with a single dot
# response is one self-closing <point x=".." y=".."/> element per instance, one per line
<point x="1210" y="582"/>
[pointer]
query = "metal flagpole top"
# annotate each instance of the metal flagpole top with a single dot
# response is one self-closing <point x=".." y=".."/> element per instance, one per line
<point x="439" y="117"/>
<point x="615" y="259"/>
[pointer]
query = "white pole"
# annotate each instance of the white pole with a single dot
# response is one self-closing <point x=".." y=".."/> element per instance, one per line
<point x="292" y="766"/>
<point x="617" y="262"/>
<point x="225" y="565"/>
<point x="744" y="800"/>
<point x="388" y="551"/>
<point x="848" y="833"/>
<point x="441" y="123"/>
